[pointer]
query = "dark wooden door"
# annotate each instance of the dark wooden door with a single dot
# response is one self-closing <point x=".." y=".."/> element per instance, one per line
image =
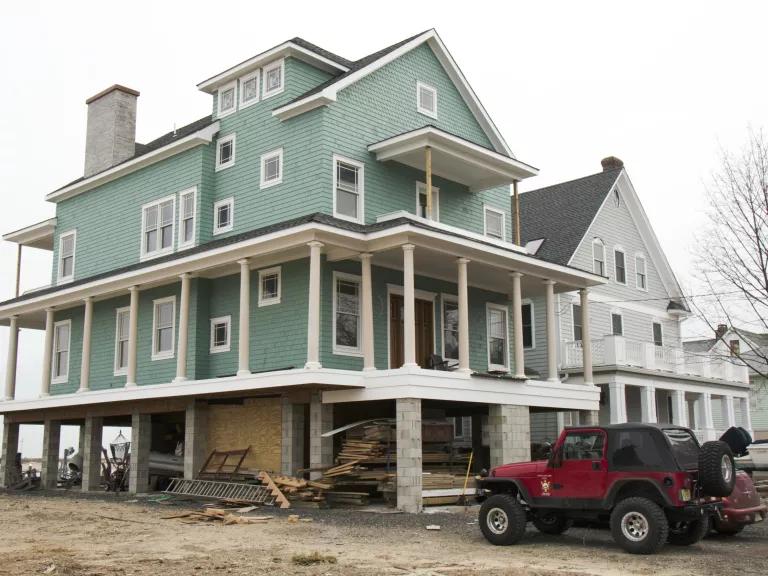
<point x="425" y="339"/>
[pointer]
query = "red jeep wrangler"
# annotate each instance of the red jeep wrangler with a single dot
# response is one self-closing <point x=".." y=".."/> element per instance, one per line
<point x="654" y="483"/>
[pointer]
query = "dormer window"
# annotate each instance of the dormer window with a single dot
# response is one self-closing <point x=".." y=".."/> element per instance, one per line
<point x="227" y="101"/>
<point x="249" y="89"/>
<point x="273" y="79"/>
<point x="426" y="100"/>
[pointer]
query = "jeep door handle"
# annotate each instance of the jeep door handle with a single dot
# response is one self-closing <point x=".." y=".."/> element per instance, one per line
<point x="556" y="486"/>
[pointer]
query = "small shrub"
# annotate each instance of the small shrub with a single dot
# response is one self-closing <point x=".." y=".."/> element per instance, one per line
<point x="313" y="558"/>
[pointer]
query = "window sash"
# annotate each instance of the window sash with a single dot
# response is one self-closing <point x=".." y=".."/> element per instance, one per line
<point x="620" y="266"/>
<point x="347" y="317"/>
<point x="187" y="217"/>
<point x="598" y="257"/>
<point x="497" y="337"/>
<point x="270" y="281"/>
<point x="271" y="168"/>
<point x="577" y="327"/>
<point x="222" y="216"/>
<point x="164" y="327"/>
<point x="658" y="334"/>
<point x="121" y="344"/>
<point x="450" y="330"/>
<point x="225" y="152"/>
<point x="617" y="324"/>
<point x="640" y="272"/>
<point x="61" y="336"/>
<point x="527" y="317"/>
<point x="274" y="78"/>
<point x="227" y="97"/>
<point x="158" y="227"/>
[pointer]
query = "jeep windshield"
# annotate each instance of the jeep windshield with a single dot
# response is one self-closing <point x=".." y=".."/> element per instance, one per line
<point x="685" y="448"/>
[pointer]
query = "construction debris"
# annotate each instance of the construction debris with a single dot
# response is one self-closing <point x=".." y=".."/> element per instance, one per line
<point x="225" y="517"/>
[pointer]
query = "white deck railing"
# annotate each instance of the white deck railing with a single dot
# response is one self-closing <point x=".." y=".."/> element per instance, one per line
<point x="621" y="351"/>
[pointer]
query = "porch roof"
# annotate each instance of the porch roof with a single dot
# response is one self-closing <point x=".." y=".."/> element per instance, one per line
<point x="39" y="235"/>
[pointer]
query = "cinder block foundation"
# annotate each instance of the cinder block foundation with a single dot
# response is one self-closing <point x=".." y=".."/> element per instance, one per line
<point x="195" y="438"/>
<point x="10" y="449"/>
<point x="509" y="430"/>
<point x="50" y="467"/>
<point x="320" y="421"/>
<point x="93" y="430"/>
<point x="409" y="454"/>
<point x="141" y="440"/>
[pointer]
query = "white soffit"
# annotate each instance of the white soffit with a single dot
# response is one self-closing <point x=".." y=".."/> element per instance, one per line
<point x="38" y="235"/>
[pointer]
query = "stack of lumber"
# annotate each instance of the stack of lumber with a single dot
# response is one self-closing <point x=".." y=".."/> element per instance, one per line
<point x="300" y="489"/>
<point x="219" y="515"/>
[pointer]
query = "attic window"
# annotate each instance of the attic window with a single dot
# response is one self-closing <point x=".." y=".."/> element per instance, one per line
<point x="227" y="102"/>
<point x="426" y="100"/>
<point x="273" y="79"/>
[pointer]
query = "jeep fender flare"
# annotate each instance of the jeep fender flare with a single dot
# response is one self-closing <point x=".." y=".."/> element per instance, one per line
<point x="501" y="485"/>
<point x="610" y="498"/>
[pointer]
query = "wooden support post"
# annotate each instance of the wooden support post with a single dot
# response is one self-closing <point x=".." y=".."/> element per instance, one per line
<point x="428" y="178"/>
<point x="18" y="270"/>
<point x="517" y="212"/>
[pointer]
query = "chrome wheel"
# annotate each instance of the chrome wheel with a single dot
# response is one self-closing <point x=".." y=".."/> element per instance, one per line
<point x="634" y="526"/>
<point x="497" y="521"/>
<point x="726" y="467"/>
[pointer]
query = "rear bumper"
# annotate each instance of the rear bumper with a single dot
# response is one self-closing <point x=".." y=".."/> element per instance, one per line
<point x="736" y="516"/>
<point x="695" y="511"/>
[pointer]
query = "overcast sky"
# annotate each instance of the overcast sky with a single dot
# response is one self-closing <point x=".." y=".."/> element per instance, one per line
<point x="661" y="85"/>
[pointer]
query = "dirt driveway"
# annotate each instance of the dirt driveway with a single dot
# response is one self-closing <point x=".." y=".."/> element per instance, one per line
<point x="64" y="534"/>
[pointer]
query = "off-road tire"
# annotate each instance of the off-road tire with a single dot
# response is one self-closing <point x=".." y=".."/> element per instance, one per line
<point x="687" y="533"/>
<point x="502" y="520"/>
<point x="717" y="469"/>
<point x="551" y="523"/>
<point x="656" y="528"/>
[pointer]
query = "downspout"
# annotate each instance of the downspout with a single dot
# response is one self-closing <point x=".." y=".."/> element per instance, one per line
<point x="516" y="210"/>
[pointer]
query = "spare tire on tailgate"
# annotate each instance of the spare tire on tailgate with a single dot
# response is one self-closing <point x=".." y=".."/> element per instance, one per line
<point x="717" y="470"/>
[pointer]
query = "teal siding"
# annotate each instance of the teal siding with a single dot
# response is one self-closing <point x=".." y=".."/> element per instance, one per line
<point x="75" y="315"/>
<point x="103" y="344"/>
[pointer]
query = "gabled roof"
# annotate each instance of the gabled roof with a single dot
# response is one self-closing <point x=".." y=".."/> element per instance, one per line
<point x="577" y="202"/>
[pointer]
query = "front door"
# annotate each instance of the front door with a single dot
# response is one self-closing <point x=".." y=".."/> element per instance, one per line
<point x="581" y="474"/>
<point x="425" y="338"/>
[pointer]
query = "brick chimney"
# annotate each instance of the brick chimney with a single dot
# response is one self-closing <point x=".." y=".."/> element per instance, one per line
<point x="721" y="330"/>
<point x="611" y="163"/>
<point x="111" y="133"/>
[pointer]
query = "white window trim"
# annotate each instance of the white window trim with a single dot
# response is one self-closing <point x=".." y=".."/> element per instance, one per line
<point x="241" y="92"/>
<point x="422" y="187"/>
<point x="172" y="352"/>
<point x="426" y="111"/>
<point x="640" y="256"/>
<point x="222" y="113"/>
<point x="117" y="370"/>
<point x="486" y="209"/>
<point x="611" y="314"/>
<point x="573" y="322"/>
<point x="493" y="306"/>
<point x="347" y="350"/>
<point x="216" y="206"/>
<point x="262" y="173"/>
<point x="163" y="251"/>
<point x="626" y="268"/>
<point x="223" y="140"/>
<point x="225" y="347"/>
<point x="267" y="272"/>
<point x="65" y="279"/>
<point x="63" y="378"/>
<point x="361" y="192"/>
<point x="190" y="243"/>
<point x="443" y="299"/>
<point x="661" y="324"/>
<point x="528" y="301"/>
<point x="276" y="64"/>
<point x="598" y="241"/>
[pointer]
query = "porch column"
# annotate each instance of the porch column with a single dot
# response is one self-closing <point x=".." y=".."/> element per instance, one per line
<point x="91" y="450"/>
<point x="320" y="421"/>
<point x="549" y="287"/>
<point x="292" y="443"/>
<point x="463" y="315"/>
<point x="409" y="309"/>
<point x="50" y="466"/>
<point x="195" y="437"/>
<point x="244" y="324"/>
<point x="618" y="400"/>
<point x="8" y="471"/>
<point x="589" y="417"/>
<point x="181" y="353"/>
<point x="729" y="413"/>
<point x="45" y="388"/>
<point x="586" y="342"/>
<point x="313" y="319"/>
<point x="509" y="432"/>
<point x="648" y="404"/>
<point x="369" y="362"/>
<point x="409" y="454"/>
<point x="679" y="408"/>
<point x="517" y="324"/>
<point x="133" y="337"/>
<point x="746" y="415"/>
<point x="85" y="361"/>
<point x="10" y="364"/>
<point x="141" y="440"/>
<point x="705" y="422"/>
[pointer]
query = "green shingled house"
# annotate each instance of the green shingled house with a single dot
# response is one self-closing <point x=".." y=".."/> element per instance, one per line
<point x="334" y="242"/>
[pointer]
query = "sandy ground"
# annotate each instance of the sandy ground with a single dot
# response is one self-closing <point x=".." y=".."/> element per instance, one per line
<point x="66" y="534"/>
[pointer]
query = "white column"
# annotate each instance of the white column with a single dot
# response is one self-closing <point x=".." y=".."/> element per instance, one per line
<point x="463" y="315"/>
<point x="244" y="327"/>
<point x="517" y="324"/>
<point x="133" y="337"/>
<point x="679" y="408"/>
<point x="549" y="287"/>
<point x="313" y="313"/>
<point x="618" y="400"/>
<point x="85" y="361"/>
<point x="746" y="415"/>
<point x="369" y="362"/>
<point x="10" y="364"/>
<point x="45" y="388"/>
<point x="183" y="347"/>
<point x="706" y="422"/>
<point x="648" y="404"/>
<point x="586" y="341"/>
<point x="729" y="413"/>
<point x="409" y="308"/>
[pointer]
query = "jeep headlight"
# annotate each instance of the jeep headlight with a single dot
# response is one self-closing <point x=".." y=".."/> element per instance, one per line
<point x="685" y="494"/>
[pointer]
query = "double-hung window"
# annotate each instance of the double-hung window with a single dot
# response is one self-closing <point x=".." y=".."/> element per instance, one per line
<point x="498" y="350"/>
<point x="220" y="334"/>
<point x="598" y="257"/>
<point x="122" y="333"/>
<point x="67" y="257"/>
<point x="658" y="334"/>
<point x="157" y="236"/>
<point x="269" y="286"/>
<point x="577" y="327"/>
<point x="227" y="99"/>
<point x="426" y="100"/>
<point x="271" y="168"/>
<point x="163" y="328"/>
<point x="450" y="329"/>
<point x="529" y="336"/>
<point x="620" y="265"/>
<point x="273" y="79"/>
<point x="187" y="212"/>
<point x="617" y="324"/>
<point x="348" y="189"/>
<point x="640" y="273"/>
<point x="223" y="216"/>
<point x="249" y="89"/>
<point x="494" y="223"/>
<point x="346" y="314"/>
<point x="62" y="332"/>
<point x="225" y="152"/>
<point x="421" y="201"/>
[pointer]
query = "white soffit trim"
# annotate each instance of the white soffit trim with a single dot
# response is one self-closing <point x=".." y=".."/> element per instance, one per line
<point x="38" y="235"/>
<point x="204" y="136"/>
<point x="283" y="50"/>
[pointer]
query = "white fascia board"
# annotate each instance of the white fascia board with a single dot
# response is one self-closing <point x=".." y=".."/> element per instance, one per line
<point x="204" y="136"/>
<point x="283" y="50"/>
<point x="37" y="235"/>
<point x="304" y="105"/>
<point x="682" y="382"/>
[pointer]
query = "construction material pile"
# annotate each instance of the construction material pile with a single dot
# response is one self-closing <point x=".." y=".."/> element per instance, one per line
<point x="223" y="516"/>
